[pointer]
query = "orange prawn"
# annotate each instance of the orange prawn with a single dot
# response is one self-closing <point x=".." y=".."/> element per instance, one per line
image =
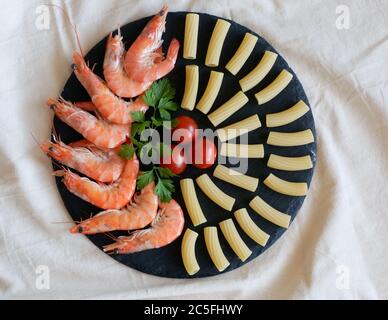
<point x="115" y="76"/>
<point x="166" y="227"/>
<point x="102" y="133"/>
<point x="144" y="60"/>
<point x="111" y="196"/>
<point x="98" y="164"/>
<point x="111" y="107"/>
<point x="136" y="215"/>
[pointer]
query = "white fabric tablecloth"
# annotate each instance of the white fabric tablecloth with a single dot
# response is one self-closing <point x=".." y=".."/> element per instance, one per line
<point x="337" y="246"/>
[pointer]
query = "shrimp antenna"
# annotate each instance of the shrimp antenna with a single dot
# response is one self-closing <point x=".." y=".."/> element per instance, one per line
<point x="35" y="139"/>
<point x="111" y="236"/>
<point x="74" y="26"/>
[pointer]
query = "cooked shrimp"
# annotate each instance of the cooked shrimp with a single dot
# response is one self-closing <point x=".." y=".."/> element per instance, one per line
<point x="110" y="106"/>
<point x="111" y="196"/>
<point x="136" y="215"/>
<point x="166" y="227"/>
<point x="101" y="165"/>
<point x="115" y="76"/>
<point x="86" y="105"/>
<point x="144" y="60"/>
<point x="102" y="133"/>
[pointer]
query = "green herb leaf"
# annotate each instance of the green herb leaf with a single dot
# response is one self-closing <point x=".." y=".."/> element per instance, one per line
<point x="156" y="122"/>
<point x="165" y="173"/>
<point x="168" y="104"/>
<point x="127" y="151"/>
<point x="164" y="114"/>
<point x="164" y="189"/>
<point x="138" y="128"/>
<point x="138" y="116"/>
<point x="144" y="179"/>
<point x="159" y="89"/>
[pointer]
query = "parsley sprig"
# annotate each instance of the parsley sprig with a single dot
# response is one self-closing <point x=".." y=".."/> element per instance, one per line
<point x="160" y="99"/>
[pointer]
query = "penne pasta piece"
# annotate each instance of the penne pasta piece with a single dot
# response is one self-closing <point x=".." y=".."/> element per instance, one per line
<point x="267" y="212"/>
<point x="287" y="116"/>
<point x="242" y="54"/>
<point x="295" y="189"/>
<point x="211" y="92"/>
<point x="191" y="201"/>
<point x="191" y="87"/>
<point x="234" y="239"/>
<point x="216" y="43"/>
<point x="250" y="228"/>
<point x="239" y="128"/>
<point x="228" y="108"/>
<point x="188" y="252"/>
<point x="259" y="72"/>
<point x="236" y="178"/>
<point x="290" y="139"/>
<point x="191" y="36"/>
<point x="214" y="248"/>
<point x="289" y="163"/>
<point x="242" y="150"/>
<point x="273" y="89"/>
<point x="214" y="193"/>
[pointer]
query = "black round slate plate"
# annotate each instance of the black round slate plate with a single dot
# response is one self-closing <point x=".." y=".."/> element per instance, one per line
<point x="167" y="261"/>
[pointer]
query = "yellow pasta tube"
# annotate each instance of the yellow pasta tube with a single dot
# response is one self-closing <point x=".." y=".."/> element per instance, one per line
<point x="228" y="108"/>
<point x="234" y="239"/>
<point x="191" y="87"/>
<point x="214" y="193"/>
<point x="214" y="248"/>
<point x="216" y="43"/>
<point x="259" y="72"/>
<point x="290" y="139"/>
<point x="290" y="163"/>
<point x="242" y="150"/>
<point x="239" y="128"/>
<point x="286" y="187"/>
<point x="250" y="228"/>
<point x="287" y="116"/>
<point x="273" y="89"/>
<point x="191" y="36"/>
<point x="191" y="201"/>
<point x="242" y="54"/>
<point x="236" y="178"/>
<point x="269" y="213"/>
<point x="211" y="92"/>
<point x="188" y="252"/>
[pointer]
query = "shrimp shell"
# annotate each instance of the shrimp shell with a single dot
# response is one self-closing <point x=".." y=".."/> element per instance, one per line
<point x="167" y="226"/>
<point x="101" y="165"/>
<point x="115" y="76"/>
<point x="111" y="107"/>
<point x="102" y="133"/>
<point x="144" y="59"/>
<point x="112" y="196"/>
<point x="138" y="214"/>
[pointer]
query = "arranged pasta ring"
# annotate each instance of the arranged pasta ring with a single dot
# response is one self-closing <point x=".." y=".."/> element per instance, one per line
<point x="232" y="81"/>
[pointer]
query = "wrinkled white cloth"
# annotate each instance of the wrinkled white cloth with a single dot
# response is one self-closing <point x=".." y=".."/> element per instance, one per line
<point x="337" y="246"/>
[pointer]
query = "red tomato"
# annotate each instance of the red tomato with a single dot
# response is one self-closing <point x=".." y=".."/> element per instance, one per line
<point x="204" y="153"/>
<point x="176" y="162"/>
<point x="186" y="129"/>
